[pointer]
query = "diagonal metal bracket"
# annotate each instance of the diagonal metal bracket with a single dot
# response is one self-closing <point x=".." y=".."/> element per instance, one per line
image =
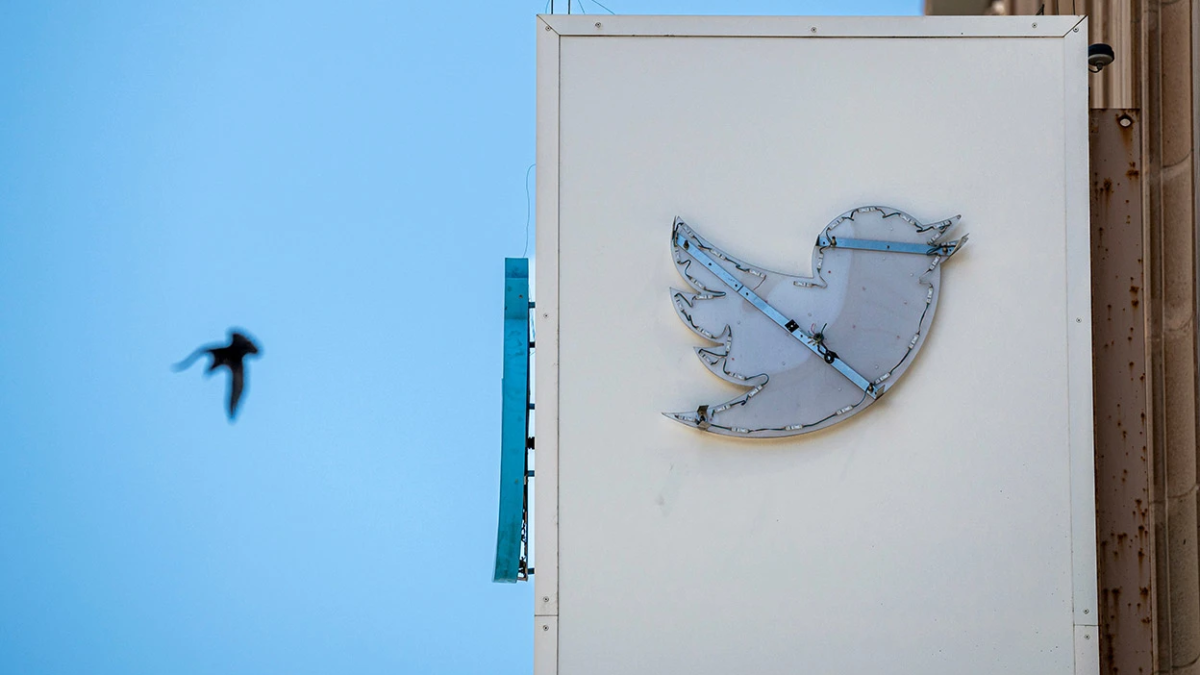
<point x="818" y="347"/>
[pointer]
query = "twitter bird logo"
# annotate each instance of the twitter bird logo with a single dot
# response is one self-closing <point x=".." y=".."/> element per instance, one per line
<point x="812" y="351"/>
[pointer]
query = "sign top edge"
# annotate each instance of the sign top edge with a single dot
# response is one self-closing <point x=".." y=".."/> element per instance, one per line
<point x="603" y="25"/>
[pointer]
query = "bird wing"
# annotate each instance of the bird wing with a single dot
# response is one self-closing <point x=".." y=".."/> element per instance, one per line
<point x="237" y="381"/>
<point x="744" y="308"/>
<point x="187" y="363"/>
<point x="717" y="311"/>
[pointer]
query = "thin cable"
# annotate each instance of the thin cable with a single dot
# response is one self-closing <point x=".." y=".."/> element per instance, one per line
<point x="527" y="210"/>
<point x="612" y="12"/>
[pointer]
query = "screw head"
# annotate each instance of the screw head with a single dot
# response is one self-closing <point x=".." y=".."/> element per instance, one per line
<point x="813" y="29"/>
<point x="598" y="24"/>
<point x="1035" y="25"/>
<point x="545" y="627"/>
<point x="1076" y="30"/>
<point x="545" y="598"/>
<point x="1125" y="121"/>
<point x="547" y="27"/>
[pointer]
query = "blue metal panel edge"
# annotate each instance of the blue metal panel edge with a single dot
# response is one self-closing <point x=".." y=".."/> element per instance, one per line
<point x="514" y="423"/>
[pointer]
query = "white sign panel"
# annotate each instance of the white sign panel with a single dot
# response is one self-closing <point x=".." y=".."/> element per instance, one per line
<point x="773" y="201"/>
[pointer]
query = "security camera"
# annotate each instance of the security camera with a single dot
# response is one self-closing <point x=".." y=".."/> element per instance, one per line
<point x="1099" y="55"/>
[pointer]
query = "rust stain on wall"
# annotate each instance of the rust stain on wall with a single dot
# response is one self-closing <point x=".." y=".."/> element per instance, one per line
<point x="1119" y="363"/>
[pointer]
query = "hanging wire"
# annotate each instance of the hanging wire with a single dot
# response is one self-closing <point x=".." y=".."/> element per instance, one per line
<point x="527" y="209"/>
<point x="549" y="8"/>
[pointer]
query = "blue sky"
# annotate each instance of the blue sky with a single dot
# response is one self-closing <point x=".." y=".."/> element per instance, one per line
<point x="343" y="180"/>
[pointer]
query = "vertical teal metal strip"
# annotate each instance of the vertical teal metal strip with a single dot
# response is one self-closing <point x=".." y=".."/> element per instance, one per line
<point x="514" y="423"/>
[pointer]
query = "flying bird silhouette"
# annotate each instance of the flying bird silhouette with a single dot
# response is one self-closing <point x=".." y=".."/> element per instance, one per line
<point x="812" y="351"/>
<point x="231" y="356"/>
